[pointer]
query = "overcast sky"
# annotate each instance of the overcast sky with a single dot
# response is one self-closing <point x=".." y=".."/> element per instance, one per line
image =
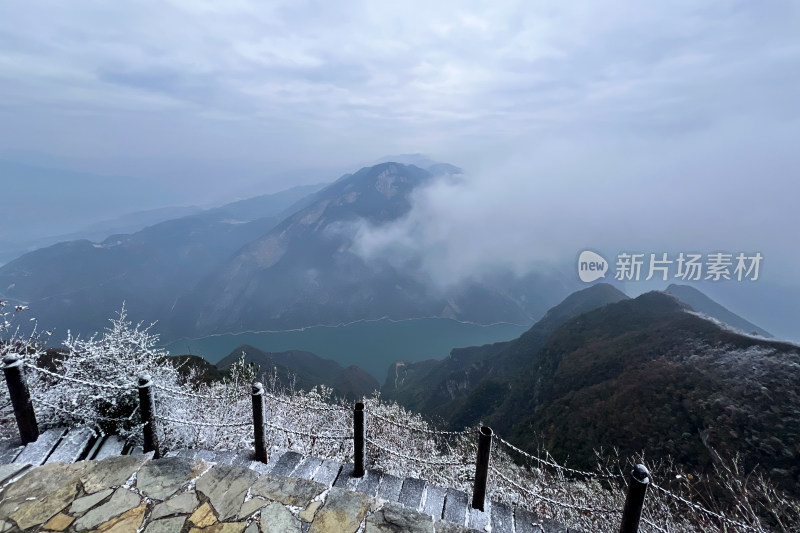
<point x="612" y="125"/>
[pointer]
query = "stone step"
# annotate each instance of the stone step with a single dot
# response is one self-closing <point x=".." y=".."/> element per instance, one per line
<point x="449" y="505"/>
<point x="307" y="467"/>
<point x="456" y="505"/>
<point x="37" y="452"/>
<point x="9" y="450"/>
<point x="412" y="492"/>
<point x="73" y="446"/>
<point x="389" y="488"/>
<point x="112" y="445"/>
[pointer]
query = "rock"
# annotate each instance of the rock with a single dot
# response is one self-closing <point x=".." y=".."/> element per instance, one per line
<point x="226" y="486"/>
<point x="449" y="527"/>
<point x="59" y="522"/>
<point x="183" y="503"/>
<point x="342" y="513"/>
<point x="9" y="471"/>
<point x="204" y="516"/>
<point x="161" y="478"/>
<point x="110" y="473"/>
<point x="252" y="528"/>
<point x="251" y="506"/>
<point x="289" y="491"/>
<point x="81" y="505"/>
<point x="121" y="502"/>
<point x="128" y="522"/>
<point x="43" y="479"/>
<point x="51" y="488"/>
<point x="166" y="525"/>
<point x="307" y="514"/>
<point x="396" y="518"/>
<point x="222" y="527"/>
<point x="277" y="518"/>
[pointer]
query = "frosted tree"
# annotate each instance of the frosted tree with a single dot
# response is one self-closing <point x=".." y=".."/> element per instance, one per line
<point x="93" y="382"/>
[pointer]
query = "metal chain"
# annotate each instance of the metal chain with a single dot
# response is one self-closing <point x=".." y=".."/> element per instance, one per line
<point x="415" y="459"/>
<point x="77" y="380"/>
<point x="599" y="510"/>
<point x="539" y="460"/>
<point x="419" y="430"/>
<point x="704" y="510"/>
<point x="188" y="394"/>
<point x="654" y="525"/>
<point x="222" y="398"/>
<point x="76" y="415"/>
<point x="310" y="407"/>
<point x="201" y="424"/>
<point x="309" y="435"/>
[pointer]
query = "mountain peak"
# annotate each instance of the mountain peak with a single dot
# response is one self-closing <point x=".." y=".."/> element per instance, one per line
<point x="421" y="161"/>
<point x="701" y="303"/>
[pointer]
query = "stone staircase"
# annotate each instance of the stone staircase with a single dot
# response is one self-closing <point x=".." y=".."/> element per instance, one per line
<point x="378" y="501"/>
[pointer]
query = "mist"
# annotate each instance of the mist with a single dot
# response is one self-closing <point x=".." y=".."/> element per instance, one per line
<point x="715" y="190"/>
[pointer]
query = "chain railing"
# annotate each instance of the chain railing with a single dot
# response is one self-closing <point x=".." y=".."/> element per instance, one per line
<point x="637" y="483"/>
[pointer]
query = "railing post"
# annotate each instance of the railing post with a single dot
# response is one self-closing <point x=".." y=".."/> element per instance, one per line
<point x="258" y="422"/>
<point x="637" y="487"/>
<point x="20" y="398"/>
<point x="358" y="438"/>
<point x="482" y="467"/>
<point x="147" y="408"/>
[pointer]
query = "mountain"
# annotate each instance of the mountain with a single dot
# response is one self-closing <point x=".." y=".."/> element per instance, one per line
<point x="305" y="270"/>
<point x="307" y="370"/>
<point x="51" y="201"/>
<point x="422" y="161"/>
<point x="96" y="231"/>
<point x="443" y="388"/>
<point x="80" y="284"/>
<point x="645" y="375"/>
<point x="276" y="262"/>
<point x="703" y="304"/>
<point x="204" y="371"/>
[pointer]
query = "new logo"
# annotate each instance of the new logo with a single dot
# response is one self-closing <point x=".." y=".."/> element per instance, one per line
<point x="591" y="266"/>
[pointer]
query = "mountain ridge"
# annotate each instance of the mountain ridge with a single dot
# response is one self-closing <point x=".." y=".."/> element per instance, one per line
<point x="304" y="370"/>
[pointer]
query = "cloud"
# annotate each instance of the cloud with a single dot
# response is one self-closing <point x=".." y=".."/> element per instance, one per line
<point x="716" y="190"/>
<point x="528" y="96"/>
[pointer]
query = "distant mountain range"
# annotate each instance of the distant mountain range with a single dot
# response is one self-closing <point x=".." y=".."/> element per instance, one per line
<point x="78" y="285"/>
<point x="305" y="370"/>
<point x="601" y="369"/>
<point x="275" y="262"/>
<point x="96" y="231"/>
<point x="42" y="202"/>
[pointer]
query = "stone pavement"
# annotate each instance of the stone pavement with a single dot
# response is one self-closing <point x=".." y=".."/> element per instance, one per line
<point x="391" y="499"/>
<point x="189" y="495"/>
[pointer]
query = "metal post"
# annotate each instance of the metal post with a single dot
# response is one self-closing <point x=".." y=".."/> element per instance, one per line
<point x="358" y="438"/>
<point x="258" y="422"/>
<point x="147" y="408"/>
<point x="20" y="398"/>
<point x="482" y="467"/>
<point x="640" y="478"/>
